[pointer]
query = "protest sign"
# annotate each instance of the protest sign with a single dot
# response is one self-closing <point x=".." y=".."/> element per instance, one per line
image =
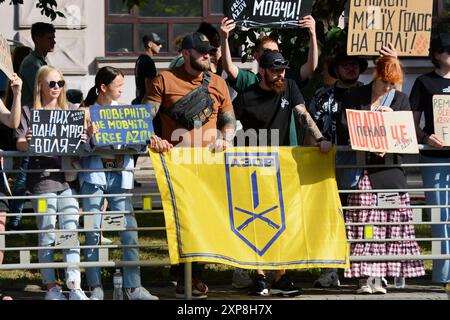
<point x="404" y="23"/>
<point x="391" y="132"/>
<point x="267" y="13"/>
<point x="56" y="132"/>
<point x="5" y="58"/>
<point x="122" y="124"/>
<point x="441" y="115"/>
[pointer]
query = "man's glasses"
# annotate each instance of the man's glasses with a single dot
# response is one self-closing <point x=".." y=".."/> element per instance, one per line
<point x="60" y="83"/>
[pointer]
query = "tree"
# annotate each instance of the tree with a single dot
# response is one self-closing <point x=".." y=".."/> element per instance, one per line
<point x="49" y="7"/>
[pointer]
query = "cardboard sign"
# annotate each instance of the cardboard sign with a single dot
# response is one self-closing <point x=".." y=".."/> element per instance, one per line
<point x="267" y="13"/>
<point x="122" y="124"/>
<point x="404" y="23"/>
<point x="5" y="58"/>
<point x="56" y="132"/>
<point x="390" y="132"/>
<point x="441" y="115"/>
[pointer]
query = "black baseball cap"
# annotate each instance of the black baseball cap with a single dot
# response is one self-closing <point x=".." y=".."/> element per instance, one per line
<point x="272" y="59"/>
<point x="197" y="41"/>
<point x="153" y="37"/>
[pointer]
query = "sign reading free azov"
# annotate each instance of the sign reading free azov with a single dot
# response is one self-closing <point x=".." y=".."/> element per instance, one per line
<point x="119" y="125"/>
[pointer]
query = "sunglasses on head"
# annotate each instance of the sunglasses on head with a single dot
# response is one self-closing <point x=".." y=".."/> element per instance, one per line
<point x="280" y="63"/>
<point x="60" y="83"/>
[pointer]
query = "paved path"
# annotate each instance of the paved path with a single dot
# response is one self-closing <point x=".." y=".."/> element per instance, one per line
<point x="414" y="290"/>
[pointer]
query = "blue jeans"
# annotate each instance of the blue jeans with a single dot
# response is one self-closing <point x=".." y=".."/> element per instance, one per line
<point x="16" y="205"/>
<point x="131" y="275"/>
<point x="439" y="177"/>
<point x="66" y="222"/>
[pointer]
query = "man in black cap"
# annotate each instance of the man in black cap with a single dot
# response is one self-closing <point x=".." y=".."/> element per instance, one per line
<point x="204" y="119"/>
<point x="145" y="69"/>
<point x="268" y="105"/>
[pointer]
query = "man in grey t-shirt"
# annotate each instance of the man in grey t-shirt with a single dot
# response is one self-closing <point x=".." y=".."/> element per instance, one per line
<point x="43" y="36"/>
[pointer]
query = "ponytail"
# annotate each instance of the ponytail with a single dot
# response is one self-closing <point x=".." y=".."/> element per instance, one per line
<point x="91" y="97"/>
<point x="105" y="75"/>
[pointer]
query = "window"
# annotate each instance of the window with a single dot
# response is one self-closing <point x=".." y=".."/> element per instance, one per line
<point x="168" y="18"/>
<point x="441" y="11"/>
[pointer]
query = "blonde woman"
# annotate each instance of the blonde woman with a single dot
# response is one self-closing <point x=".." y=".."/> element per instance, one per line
<point x="50" y="94"/>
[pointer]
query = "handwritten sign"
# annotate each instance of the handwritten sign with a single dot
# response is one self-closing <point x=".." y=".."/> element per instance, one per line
<point x="5" y="58"/>
<point x="265" y="13"/>
<point x="122" y="124"/>
<point x="56" y="132"/>
<point x="391" y="132"/>
<point x="404" y="23"/>
<point x="441" y="115"/>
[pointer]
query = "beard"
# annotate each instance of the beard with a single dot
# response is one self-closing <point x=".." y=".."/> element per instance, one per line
<point x="278" y="85"/>
<point x="200" y="65"/>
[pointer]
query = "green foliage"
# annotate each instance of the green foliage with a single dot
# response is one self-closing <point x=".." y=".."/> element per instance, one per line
<point x="48" y="7"/>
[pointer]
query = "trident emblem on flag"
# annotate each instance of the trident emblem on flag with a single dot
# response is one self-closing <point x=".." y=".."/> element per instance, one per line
<point x="255" y="198"/>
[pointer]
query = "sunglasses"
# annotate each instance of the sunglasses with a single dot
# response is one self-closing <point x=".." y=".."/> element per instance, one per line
<point x="60" y="83"/>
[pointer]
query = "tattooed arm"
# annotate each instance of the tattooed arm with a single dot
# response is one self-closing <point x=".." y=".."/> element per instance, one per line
<point x="305" y="119"/>
<point x="156" y="143"/>
<point x="227" y="126"/>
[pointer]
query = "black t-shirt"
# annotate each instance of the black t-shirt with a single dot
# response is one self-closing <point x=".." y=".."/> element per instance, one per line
<point x="421" y="99"/>
<point x="257" y="109"/>
<point x="145" y="68"/>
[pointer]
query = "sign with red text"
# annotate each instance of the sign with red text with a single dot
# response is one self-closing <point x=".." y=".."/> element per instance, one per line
<point x="441" y="115"/>
<point x="406" y="24"/>
<point x="5" y="57"/>
<point x="391" y="132"/>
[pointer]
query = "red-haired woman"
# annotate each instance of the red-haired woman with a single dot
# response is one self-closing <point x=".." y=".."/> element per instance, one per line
<point x="380" y="95"/>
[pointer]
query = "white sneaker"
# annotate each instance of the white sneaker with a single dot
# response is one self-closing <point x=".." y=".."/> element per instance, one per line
<point x="376" y="285"/>
<point x="77" y="294"/>
<point x="328" y="279"/>
<point x="364" y="287"/>
<point x="97" y="294"/>
<point x="140" y="294"/>
<point x="55" y="293"/>
<point x="241" y="279"/>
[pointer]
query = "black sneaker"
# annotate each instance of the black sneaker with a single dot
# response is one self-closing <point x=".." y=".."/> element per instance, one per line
<point x="285" y="287"/>
<point x="260" y="287"/>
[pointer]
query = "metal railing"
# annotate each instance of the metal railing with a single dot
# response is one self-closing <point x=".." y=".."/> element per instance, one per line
<point x="147" y="207"/>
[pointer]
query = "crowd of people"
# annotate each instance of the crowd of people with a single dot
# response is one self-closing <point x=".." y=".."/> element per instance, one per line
<point x="196" y="94"/>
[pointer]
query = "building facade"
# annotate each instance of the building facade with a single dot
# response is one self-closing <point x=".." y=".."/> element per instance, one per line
<point x="96" y="33"/>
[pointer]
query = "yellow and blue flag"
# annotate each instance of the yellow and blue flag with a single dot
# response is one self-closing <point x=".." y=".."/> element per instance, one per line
<point x="267" y="208"/>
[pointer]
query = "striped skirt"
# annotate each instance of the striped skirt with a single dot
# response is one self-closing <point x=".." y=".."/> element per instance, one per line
<point x="407" y="268"/>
